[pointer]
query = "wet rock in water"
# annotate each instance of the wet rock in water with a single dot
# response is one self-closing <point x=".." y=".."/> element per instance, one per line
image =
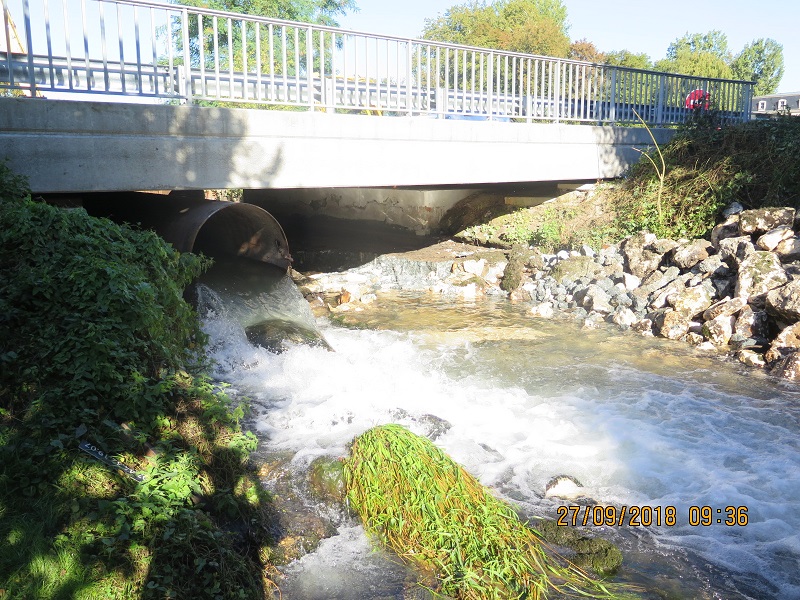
<point x="670" y="324"/>
<point x="785" y="343"/>
<point x="515" y="269"/>
<point x="787" y="367"/>
<point x="276" y="335"/>
<point x="564" y="486"/>
<point x="719" y="330"/>
<point x="603" y="557"/>
<point x="751" y="358"/>
<point x="326" y="479"/>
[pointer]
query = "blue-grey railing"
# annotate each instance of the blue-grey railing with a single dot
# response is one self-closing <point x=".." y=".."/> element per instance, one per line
<point x="160" y="51"/>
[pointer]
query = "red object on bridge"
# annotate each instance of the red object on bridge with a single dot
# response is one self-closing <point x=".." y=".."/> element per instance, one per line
<point x="698" y="99"/>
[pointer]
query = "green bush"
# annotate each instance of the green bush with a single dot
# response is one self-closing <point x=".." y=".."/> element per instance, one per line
<point x="707" y="168"/>
<point x="97" y="344"/>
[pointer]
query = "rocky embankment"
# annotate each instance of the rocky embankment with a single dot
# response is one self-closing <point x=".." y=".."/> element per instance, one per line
<point x="737" y="293"/>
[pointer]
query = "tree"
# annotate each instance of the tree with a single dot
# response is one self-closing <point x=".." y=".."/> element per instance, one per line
<point x="530" y="26"/>
<point x="626" y="58"/>
<point x="760" y="61"/>
<point x="699" y="63"/>
<point x="583" y="49"/>
<point x="323" y="12"/>
<point x="699" y="54"/>
<point x="714" y="42"/>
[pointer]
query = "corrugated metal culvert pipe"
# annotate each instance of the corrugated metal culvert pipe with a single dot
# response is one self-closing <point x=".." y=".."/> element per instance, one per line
<point x="190" y="224"/>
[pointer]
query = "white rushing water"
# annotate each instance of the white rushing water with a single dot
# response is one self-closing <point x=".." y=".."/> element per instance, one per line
<point x="639" y="422"/>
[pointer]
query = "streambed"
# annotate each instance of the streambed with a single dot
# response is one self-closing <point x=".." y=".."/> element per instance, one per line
<point x="640" y="422"/>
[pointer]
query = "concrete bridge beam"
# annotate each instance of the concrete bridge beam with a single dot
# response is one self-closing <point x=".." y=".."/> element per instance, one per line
<point x="67" y="146"/>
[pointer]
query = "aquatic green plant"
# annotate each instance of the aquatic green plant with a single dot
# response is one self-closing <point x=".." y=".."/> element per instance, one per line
<point x="435" y="515"/>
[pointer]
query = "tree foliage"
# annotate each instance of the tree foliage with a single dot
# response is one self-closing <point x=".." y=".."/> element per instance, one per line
<point x="323" y="12"/>
<point x="583" y="49"/>
<point x="530" y="26"/>
<point x="714" y="42"/>
<point x="625" y="58"/>
<point x="760" y="61"/>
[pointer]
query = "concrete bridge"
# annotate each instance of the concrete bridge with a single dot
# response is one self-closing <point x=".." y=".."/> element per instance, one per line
<point x="378" y="127"/>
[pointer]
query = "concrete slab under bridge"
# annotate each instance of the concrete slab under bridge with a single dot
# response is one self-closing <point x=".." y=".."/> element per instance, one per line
<point x="83" y="146"/>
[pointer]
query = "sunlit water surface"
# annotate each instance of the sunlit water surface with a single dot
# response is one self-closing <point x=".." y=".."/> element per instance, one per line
<point x="637" y="421"/>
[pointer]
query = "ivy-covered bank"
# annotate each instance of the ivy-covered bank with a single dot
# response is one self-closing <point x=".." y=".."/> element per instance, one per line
<point x="99" y="353"/>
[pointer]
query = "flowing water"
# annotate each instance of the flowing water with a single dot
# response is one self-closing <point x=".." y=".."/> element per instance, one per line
<point x="516" y="400"/>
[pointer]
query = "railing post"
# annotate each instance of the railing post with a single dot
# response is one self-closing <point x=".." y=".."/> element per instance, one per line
<point x="612" y="99"/>
<point x="441" y="102"/>
<point x="490" y="74"/>
<point x="661" y="91"/>
<point x="309" y="66"/>
<point x="557" y="95"/>
<point x="187" y="59"/>
<point x="409" y="88"/>
<point x="29" y="47"/>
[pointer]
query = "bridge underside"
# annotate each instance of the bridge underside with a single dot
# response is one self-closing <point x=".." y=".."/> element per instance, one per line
<point x="404" y="170"/>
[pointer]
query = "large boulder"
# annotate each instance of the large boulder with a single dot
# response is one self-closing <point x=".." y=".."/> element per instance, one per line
<point x="670" y="324"/>
<point x="761" y="220"/>
<point x="770" y="240"/>
<point x="784" y="302"/>
<point x="688" y="255"/>
<point x="641" y="258"/>
<point x="724" y="308"/>
<point x="735" y="249"/>
<point x="789" y="249"/>
<point x="575" y="267"/>
<point x="718" y="331"/>
<point x="691" y="301"/>
<point x="785" y="343"/>
<point x="727" y="229"/>
<point x="751" y="323"/>
<point x="277" y="335"/>
<point x="758" y="274"/>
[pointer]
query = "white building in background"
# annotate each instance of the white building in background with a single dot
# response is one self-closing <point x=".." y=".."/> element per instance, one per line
<point x="764" y="107"/>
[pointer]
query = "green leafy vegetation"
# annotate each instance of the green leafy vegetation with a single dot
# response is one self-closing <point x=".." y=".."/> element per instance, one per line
<point x="532" y="26"/>
<point x="435" y="515"/>
<point x="97" y="345"/>
<point x="707" y="167"/>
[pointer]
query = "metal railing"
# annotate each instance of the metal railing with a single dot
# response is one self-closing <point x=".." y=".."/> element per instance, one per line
<point x="173" y="52"/>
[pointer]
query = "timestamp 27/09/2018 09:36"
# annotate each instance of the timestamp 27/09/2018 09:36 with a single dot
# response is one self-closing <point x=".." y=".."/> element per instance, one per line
<point x="649" y="516"/>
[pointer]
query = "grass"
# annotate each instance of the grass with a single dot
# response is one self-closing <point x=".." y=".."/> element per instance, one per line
<point x="98" y="345"/>
<point x="436" y="516"/>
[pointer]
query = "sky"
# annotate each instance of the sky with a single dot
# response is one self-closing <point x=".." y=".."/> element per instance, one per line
<point x="634" y="25"/>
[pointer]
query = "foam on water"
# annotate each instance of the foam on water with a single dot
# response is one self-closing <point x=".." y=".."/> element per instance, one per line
<point x="696" y="434"/>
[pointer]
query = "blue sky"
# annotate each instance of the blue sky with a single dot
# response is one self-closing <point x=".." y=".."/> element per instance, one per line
<point x="635" y="25"/>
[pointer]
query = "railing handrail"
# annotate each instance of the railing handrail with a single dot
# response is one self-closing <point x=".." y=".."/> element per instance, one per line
<point x="477" y="86"/>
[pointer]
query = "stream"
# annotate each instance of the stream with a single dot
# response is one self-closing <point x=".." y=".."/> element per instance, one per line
<point x="642" y="423"/>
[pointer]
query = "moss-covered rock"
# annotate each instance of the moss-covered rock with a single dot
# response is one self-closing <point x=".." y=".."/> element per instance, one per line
<point x="326" y="479"/>
<point x="512" y="276"/>
<point x="574" y="268"/>
<point x="603" y="557"/>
